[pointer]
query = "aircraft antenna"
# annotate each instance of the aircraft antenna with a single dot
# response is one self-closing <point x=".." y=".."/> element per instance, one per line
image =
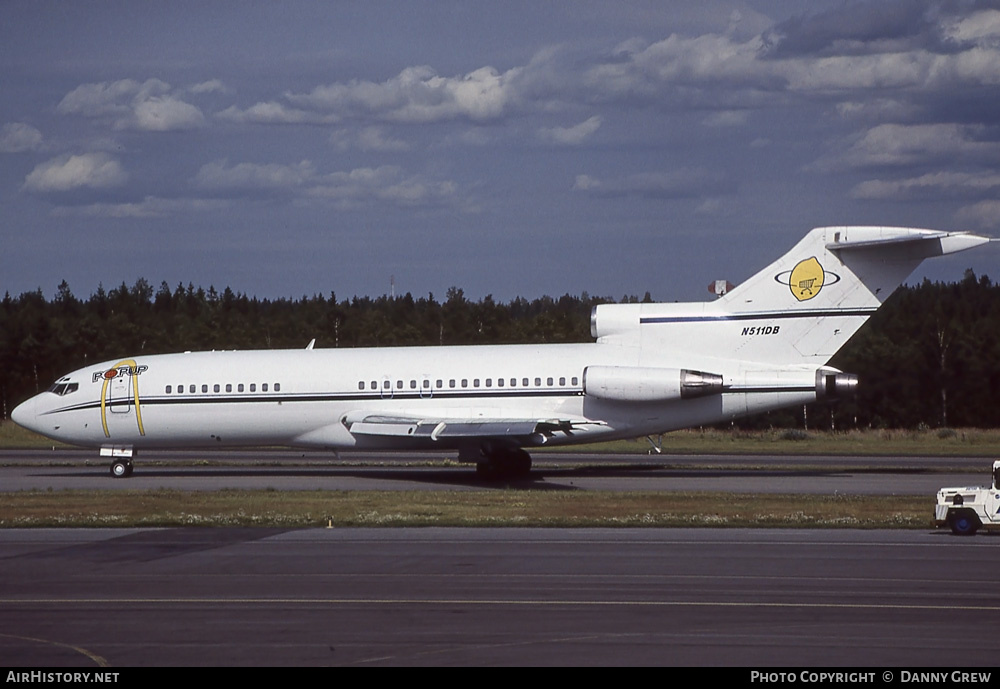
<point x="720" y="287"/>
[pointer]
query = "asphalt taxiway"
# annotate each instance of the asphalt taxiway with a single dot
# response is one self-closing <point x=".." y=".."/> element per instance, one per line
<point x="289" y="470"/>
<point x="697" y="597"/>
<point x="427" y="596"/>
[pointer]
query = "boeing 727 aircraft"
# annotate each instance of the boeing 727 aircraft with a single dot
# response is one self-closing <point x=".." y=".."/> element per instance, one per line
<point x="653" y="368"/>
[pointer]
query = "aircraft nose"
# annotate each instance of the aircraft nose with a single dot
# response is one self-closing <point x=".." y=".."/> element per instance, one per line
<point x="24" y="414"/>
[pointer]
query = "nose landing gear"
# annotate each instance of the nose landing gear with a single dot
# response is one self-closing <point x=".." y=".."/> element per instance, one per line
<point x="121" y="459"/>
<point x="121" y="468"/>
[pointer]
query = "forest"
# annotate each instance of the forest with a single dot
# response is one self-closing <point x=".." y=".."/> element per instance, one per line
<point x="930" y="358"/>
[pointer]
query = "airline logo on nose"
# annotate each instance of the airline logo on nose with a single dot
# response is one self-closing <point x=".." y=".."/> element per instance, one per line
<point x="806" y="279"/>
<point x="118" y="372"/>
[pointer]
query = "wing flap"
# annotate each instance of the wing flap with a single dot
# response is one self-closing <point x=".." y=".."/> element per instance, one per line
<point x="399" y="427"/>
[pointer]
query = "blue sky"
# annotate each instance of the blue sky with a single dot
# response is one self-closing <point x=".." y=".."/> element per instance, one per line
<point x="515" y="148"/>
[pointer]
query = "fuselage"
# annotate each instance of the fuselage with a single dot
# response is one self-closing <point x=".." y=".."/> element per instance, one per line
<point x="307" y="398"/>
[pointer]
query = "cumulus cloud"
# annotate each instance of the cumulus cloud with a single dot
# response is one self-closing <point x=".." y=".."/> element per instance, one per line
<point x="163" y="113"/>
<point x="676" y="184"/>
<point x="368" y="139"/>
<point x="346" y="189"/>
<point x="982" y="215"/>
<point x="571" y="136"/>
<point x="856" y="28"/>
<point x="149" y="207"/>
<point x="726" y="118"/>
<point x="858" y="47"/>
<point x="415" y="95"/>
<point x="947" y="184"/>
<point x="975" y="27"/>
<point x="220" y="175"/>
<point x="898" y="145"/>
<point x="128" y="104"/>
<point x="272" y="112"/>
<point x="67" y="172"/>
<point x="210" y="86"/>
<point x="384" y="184"/>
<point x="853" y="54"/>
<point x="878" y="110"/>
<point x="17" y="137"/>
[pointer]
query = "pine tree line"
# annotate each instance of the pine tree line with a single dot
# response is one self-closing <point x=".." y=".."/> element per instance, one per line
<point x="929" y="357"/>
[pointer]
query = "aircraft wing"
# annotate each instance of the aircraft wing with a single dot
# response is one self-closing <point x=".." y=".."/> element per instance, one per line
<point x="527" y="431"/>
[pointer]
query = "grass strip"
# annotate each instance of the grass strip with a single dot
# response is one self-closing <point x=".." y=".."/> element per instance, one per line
<point x="510" y="507"/>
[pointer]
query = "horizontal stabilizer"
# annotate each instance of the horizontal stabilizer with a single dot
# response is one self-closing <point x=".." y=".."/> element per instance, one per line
<point x="937" y="243"/>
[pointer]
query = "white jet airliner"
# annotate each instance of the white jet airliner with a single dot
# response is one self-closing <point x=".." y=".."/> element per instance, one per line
<point x="654" y="368"/>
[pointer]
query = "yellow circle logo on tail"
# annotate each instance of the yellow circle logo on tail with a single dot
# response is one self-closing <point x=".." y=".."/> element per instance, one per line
<point x="806" y="279"/>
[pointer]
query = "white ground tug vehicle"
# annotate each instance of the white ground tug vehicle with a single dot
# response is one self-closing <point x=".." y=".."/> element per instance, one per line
<point x="966" y="510"/>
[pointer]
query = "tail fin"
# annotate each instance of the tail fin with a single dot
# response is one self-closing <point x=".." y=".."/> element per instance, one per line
<point x="816" y="296"/>
<point x="796" y="312"/>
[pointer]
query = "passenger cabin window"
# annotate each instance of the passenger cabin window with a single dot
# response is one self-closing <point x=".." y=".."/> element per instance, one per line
<point x="253" y="387"/>
<point x="239" y="388"/>
<point x="204" y="388"/>
<point x="277" y="387"/>
<point x="361" y="385"/>
<point x="229" y="387"/>
<point x="263" y="387"/>
<point x="169" y="389"/>
<point x="216" y="388"/>
<point x="191" y="389"/>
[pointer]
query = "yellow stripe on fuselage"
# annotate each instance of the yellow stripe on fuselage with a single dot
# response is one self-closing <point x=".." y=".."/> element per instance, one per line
<point x="133" y="368"/>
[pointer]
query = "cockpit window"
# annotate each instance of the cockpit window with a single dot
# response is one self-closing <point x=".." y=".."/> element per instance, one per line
<point x="61" y="388"/>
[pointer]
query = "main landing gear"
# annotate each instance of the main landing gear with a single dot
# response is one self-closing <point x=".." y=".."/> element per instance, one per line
<point x="503" y="461"/>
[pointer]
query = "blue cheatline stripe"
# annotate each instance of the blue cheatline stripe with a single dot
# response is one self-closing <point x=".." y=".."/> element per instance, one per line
<point x="222" y="398"/>
<point x="843" y="313"/>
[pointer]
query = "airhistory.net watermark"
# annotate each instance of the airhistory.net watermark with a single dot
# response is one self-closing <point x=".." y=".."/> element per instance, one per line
<point x="45" y="676"/>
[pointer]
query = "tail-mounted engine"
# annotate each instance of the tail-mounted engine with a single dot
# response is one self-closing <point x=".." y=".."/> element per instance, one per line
<point x="831" y="384"/>
<point x="645" y="384"/>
